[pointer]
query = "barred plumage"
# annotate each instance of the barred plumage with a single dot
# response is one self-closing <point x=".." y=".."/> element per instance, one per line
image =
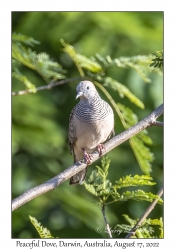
<point x="95" y="111"/>
<point x="91" y="123"/>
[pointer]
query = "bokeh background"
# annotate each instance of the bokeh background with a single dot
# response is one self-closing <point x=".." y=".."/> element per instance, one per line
<point x="40" y="121"/>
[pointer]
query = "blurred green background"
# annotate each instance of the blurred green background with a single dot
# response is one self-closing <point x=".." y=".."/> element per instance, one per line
<point x="40" y="121"/>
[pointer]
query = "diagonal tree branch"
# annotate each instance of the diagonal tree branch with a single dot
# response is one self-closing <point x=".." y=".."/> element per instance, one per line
<point x="49" y="86"/>
<point x="145" y="215"/>
<point x="51" y="184"/>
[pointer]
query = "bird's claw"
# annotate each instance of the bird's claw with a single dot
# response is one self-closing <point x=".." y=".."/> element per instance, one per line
<point x="87" y="157"/>
<point x="101" y="149"/>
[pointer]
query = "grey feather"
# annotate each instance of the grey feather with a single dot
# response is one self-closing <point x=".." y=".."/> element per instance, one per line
<point x="91" y="123"/>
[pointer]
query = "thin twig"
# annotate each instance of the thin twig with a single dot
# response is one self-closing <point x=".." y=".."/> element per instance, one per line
<point x="145" y="215"/>
<point x="49" y="86"/>
<point x="80" y="165"/>
<point x="159" y="124"/>
<point x="105" y="219"/>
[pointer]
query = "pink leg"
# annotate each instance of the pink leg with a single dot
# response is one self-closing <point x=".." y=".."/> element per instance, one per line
<point x="100" y="149"/>
<point x="88" y="157"/>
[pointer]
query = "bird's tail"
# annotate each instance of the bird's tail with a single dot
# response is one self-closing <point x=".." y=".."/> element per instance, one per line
<point x="78" y="178"/>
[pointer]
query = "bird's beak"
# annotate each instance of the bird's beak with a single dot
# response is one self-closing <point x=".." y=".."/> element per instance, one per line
<point x="79" y="94"/>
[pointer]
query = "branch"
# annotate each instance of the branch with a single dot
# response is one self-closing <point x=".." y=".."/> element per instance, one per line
<point x="49" y="86"/>
<point x="105" y="219"/>
<point x="80" y="165"/>
<point x="145" y="215"/>
<point x="159" y="124"/>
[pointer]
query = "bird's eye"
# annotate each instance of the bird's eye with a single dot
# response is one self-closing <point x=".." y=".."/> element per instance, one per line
<point x="87" y="87"/>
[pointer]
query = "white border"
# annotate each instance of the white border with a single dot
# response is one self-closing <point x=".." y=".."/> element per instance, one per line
<point x="5" y="97"/>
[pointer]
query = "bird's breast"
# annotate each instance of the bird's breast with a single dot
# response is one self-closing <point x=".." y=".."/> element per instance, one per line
<point x="89" y="135"/>
<point x="93" y="112"/>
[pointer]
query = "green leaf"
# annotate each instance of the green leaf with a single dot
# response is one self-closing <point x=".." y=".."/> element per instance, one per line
<point x="123" y="91"/>
<point x="24" y="39"/>
<point x="128" y="115"/>
<point x="140" y="195"/>
<point x="144" y="137"/>
<point x="142" y="154"/>
<point x="42" y="231"/>
<point x="95" y="178"/>
<point x="136" y="180"/>
<point x="145" y="230"/>
<point x="157" y="62"/>
<point x="90" y="188"/>
<point x="100" y="171"/>
<point x="97" y="184"/>
<point x="46" y="67"/>
<point x="80" y="60"/>
<point x="140" y="63"/>
<point x="16" y="74"/>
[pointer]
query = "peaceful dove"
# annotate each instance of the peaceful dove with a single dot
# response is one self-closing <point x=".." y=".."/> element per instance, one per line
<point x="91" y="122"/>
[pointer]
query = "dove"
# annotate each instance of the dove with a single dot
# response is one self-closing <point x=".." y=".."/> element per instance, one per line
<point x="91" y="123"/>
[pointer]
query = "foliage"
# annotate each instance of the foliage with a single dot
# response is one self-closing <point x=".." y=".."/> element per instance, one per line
<point x="80" y="60"/>
<point x="123" y="91"/>
<point x="20" y="38"/>
<point x="140" y="63"/>
<point x="157" y="62"/>
<point x="107" y="193"/>
<point x="43" y="64"/>
<point x="100" y="186"/>
<point x="49" y="70"/>
<point x="17" y="74"/>
<point x="103" y="189"/>
<point x="137" y="142"/>
<point x="42" y="231"/>
<point x="146" y="230"/>
<point x="142" y="153"/>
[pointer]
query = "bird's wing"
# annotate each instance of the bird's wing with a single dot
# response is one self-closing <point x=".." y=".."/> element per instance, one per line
<point x="112" y="134"/>
<point x="72" y="132"/>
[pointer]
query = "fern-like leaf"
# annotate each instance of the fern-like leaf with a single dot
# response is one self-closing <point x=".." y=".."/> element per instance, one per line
<point x="145" y="230"/>
<point x="160" y="224"/>
<point x="123" y="91"/>
<point x="157" y="61"/>
<point x="128" y="116"/>
<point x="16" y="74"/>
<point x="42" y="231"/>
<point x="142" y="153"/>
<point x="136" y="180"/>
<point x="90" y="188"/>
<point x="98" y="184"/>
<point x="46" y="67"/>
<point x="24" y="39"/>
<point x="80" y="60"/>
<point x="140" y="195"/>
<point x="140" y="63"/>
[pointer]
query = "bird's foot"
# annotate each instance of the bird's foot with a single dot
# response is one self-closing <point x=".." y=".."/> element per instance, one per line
<point x="88" y="157"/>
<point x="101" y="149"/>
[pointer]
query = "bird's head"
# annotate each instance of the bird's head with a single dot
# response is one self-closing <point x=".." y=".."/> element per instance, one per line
<point x="86" y="91"/>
